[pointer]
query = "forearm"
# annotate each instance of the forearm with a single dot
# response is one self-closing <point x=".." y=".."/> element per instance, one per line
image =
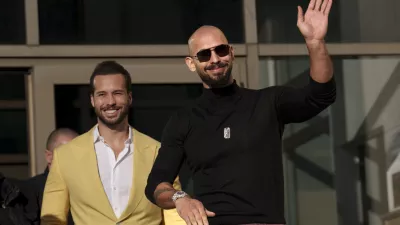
<point x="163" y="195"/>
<point x="321" y="67"/>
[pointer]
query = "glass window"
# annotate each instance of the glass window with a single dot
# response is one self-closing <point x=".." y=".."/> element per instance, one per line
<point x="312" y="193"/>
<point x="135" y="22"/>
<point x="368" y="97"/>
<point x="13" y="131"/>
<point x="349" y="21"/>
<point x="308" y="147"/>
<point x="12" y="84"/>
<point x="12" y="26"/>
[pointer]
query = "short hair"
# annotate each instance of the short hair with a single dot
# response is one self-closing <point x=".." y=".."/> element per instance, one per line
<point x="110" y="67"/>
<point x="51" y="143"/>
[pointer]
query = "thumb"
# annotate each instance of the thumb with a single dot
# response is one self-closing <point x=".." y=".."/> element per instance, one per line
<point x="209" y="213"/>
<point x="300" y="16"/>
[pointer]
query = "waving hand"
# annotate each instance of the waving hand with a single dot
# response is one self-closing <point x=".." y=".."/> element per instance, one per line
<point x="313" y="25"/>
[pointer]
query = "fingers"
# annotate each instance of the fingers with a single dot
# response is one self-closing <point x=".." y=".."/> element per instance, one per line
<point x="192" y="220"/>
<point x="194" y="213"/>
<point x="300" y="16"/>
<point x="318" y="5"/>
<point x="203" y="216"/>
<point x="197" y="216"/>
<point x="328" y="7"/>
<point x="323" y="6"/>
<point x="210" y="214"/>
<point x="188" y="221"/>
<point x="311" y="5"/>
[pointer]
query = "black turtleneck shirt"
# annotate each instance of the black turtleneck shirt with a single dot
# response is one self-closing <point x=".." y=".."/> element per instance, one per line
<point x="231" y="139"/>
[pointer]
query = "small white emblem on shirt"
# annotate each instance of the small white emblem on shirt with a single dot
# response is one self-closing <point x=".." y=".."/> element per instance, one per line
<point x="227" y="132"/>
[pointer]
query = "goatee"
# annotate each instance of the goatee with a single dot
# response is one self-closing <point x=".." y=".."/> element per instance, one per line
<point x="223" y="79"/>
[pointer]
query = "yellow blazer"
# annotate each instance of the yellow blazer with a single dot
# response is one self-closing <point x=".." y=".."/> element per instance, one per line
<point x="74" y="183"/>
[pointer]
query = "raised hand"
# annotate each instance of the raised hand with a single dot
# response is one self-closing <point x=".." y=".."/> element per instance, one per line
<point x="192" y="211"/>
<point x="314" y="24"/>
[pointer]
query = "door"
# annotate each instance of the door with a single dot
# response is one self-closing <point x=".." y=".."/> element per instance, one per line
<point x="159" y="88"/>
<point x="14" y="122"/>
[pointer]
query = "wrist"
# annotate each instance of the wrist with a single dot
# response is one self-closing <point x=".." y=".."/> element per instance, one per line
<point x="180" y="200"/>
<point x="314" y="43"/>
<point x="179" y="195"/>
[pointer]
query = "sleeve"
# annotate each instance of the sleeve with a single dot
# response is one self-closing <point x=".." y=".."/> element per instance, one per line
<point x="295" y="105"/>
<point x="171" y="216"/>
<point x="55" y="204"/>
<point x="170" y="156"/>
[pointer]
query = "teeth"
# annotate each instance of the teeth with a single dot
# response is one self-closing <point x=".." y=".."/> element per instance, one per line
<point x="111" y="111"/>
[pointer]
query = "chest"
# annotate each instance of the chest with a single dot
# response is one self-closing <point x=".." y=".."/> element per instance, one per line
<point x="114" y="169"/>
<point x="102" y="170"/>
<point x="229" y="134"/>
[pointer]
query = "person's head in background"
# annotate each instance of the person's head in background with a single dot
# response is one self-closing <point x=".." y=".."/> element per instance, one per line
<point x="56" y="138"/>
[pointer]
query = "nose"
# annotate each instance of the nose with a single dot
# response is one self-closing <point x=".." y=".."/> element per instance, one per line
<point x="214" y="57"/>
<point x="110" y="100"/>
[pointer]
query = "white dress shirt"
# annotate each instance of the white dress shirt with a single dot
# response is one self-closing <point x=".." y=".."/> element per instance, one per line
<point x="115" y="174"/>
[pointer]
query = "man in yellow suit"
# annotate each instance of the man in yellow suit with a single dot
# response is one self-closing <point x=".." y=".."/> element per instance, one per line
<point x="101" y="175"/>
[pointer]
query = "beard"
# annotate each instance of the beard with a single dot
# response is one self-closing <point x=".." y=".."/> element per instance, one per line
<point x="219" y="80"/>
<point x="114" y="121"/>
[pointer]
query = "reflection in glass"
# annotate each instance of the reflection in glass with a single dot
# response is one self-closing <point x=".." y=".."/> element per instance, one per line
<point x="349" y="21"/>
<point x="13" y="131"/>
<point x="370" y="123"/>
<point x="135" y="22"/>
<point x="12" y="84"/>
<point x="276" y="21"/>
<point x="12" y="26"/>
<point x="316" y="202"/>
<point x="308" y="148"/>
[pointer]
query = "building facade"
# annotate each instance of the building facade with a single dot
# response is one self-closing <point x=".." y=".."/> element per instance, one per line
<point x="338" y="166"/>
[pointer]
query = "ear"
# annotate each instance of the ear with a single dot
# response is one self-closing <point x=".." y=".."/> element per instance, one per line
<point x="130" y="98"/>
<point x="92" y="100"/>
<point x="49" y="156"/>
<point x="190" y="64"/>
<point x="232" y="53"/>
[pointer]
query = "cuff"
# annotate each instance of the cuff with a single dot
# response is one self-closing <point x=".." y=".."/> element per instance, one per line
<point x="317" y="87"/>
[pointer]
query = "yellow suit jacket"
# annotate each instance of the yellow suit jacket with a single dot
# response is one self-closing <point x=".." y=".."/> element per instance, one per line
<point x="74" y="183"/>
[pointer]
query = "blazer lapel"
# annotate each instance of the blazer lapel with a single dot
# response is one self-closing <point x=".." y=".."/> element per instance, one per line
<point x="92" y="176"/>
<point x="143" y="159"/>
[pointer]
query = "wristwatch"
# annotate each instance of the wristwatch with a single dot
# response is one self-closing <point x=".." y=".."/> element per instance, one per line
<point x="178" y="195"/>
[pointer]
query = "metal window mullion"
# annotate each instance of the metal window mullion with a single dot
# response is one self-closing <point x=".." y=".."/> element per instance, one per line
<point x="32" y="22"/>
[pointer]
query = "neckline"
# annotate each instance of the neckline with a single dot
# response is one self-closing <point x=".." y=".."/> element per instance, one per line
<point x="229" y="90"/>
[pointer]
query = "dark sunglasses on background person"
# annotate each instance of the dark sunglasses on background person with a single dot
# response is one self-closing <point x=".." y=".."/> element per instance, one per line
<point x="205" y="54"/>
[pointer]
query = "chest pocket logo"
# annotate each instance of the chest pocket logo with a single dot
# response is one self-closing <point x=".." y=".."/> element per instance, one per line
<point x="227" y="132"/>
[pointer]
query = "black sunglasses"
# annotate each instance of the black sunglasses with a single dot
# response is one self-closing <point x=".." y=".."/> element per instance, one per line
<point x="205" y="54"/>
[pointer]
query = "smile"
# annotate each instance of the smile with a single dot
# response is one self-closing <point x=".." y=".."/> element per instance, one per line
<point x="111" y="112"/>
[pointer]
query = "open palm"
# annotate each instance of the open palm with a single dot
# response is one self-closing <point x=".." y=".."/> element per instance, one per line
<point x="314" y="24"/>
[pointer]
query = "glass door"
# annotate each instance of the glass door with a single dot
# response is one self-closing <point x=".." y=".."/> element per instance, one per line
<point x="14" y="140"/>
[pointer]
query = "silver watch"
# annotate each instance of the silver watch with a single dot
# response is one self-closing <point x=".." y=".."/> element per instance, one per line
<point x="178" y="195"/>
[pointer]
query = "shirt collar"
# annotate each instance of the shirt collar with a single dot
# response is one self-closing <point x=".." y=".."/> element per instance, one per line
<point x="214" y="93"/>
<point x="97" y="137"/>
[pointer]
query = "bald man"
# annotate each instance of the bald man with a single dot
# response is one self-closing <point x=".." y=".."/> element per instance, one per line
<point x="231" y="137"/>
<point x="55" y="139"/>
